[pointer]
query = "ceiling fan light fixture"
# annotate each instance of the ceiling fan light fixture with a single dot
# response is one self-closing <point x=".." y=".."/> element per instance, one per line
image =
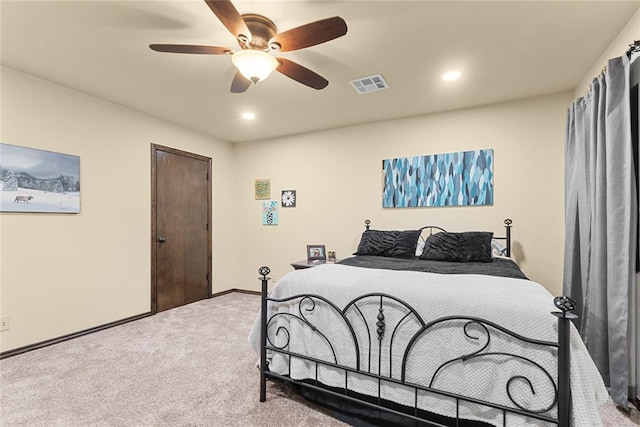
<point x="255" y="65"/>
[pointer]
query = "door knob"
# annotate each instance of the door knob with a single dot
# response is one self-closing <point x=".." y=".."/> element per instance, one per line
<point x="162" y="240"/>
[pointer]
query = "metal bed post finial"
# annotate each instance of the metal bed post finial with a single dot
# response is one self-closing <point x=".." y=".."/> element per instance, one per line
<point x="263" y="271"/>
<point x="566" y="305"/>
<point x="367" y="224"/>
<point x="507" y="226"/>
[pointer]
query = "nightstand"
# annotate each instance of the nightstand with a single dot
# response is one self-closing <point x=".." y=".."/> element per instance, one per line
<point x="300" y="265"/>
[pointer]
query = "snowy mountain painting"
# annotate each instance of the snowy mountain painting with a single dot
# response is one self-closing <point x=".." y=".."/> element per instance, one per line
<point x="38" y="181"/>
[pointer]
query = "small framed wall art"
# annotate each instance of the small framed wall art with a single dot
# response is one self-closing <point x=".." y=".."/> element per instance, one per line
<point x="288" y="198"/>
<point x="316" y="253"/>
<point x="270" y="212"/>
<point x="262" y="189"/>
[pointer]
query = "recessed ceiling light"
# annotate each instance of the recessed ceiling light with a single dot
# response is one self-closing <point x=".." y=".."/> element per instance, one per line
<point x="451" y="75"/>
<point x="248" y="116"/>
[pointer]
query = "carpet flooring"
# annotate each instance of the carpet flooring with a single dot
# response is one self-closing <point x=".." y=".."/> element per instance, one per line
<point x="190" y="366"/>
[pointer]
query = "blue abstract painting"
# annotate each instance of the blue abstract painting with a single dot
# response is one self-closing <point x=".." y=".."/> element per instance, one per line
<point x="464" y="178"/>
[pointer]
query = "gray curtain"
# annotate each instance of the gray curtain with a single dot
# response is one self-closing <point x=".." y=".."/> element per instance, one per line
<point x="634" y="344"/>
<point x="600" y="223"/>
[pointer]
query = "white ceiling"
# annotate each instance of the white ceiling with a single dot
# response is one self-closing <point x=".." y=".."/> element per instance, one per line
<point x="505" y="50"/>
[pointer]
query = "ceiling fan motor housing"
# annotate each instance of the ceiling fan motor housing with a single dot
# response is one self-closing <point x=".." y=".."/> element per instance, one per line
<point x="262" y="30"/>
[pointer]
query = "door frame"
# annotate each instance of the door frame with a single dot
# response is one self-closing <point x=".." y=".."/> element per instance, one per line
<point x="154" y="226"/>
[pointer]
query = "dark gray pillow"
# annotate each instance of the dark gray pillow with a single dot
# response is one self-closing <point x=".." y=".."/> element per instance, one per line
<point x="396" y="244"/>
<point x="471" y="246"/>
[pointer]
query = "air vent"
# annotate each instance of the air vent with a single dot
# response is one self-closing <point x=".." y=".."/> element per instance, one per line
<point x="369" y="84"/>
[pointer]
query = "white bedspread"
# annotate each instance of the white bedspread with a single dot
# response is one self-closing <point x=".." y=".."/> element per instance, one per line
<point x="521" y="306"/>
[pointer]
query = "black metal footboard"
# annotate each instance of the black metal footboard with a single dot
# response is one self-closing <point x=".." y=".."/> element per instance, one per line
<point x="382" y="350"/>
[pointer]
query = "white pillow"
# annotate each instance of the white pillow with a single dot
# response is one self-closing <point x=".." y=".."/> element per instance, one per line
<point x="420" y="246"/>
<point x="498" y="249"/>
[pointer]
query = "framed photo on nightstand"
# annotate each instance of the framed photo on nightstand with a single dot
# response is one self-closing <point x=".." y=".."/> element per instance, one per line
<point x="316" y="253"/>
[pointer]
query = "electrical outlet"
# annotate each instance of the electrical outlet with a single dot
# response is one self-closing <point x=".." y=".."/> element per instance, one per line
<point x="5" y="323"/>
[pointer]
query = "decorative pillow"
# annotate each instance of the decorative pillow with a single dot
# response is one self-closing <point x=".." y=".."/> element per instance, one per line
<point x="375" y="242"/>
<point x="472" y="246"/>
<point x="396" y="244"/>
<point x="405" y="244"/>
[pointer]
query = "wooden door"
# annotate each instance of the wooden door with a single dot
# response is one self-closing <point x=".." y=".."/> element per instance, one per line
<point x="181" y="232"/>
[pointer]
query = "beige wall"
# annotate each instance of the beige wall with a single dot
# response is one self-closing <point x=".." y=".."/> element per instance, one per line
<point x="65" y="273"/>
<point x="338" y="178"/>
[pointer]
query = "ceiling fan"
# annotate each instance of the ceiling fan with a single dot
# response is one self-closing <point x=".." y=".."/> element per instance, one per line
<point x="257" y="35"/>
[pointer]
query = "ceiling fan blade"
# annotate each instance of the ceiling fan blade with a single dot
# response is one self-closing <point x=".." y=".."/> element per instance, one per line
<point x="189" y="48"/>
<point x="230" y="17"/>
<point x="301" y="74"/>
<point x="310" y="34"/>
<point x="240" y="83"/>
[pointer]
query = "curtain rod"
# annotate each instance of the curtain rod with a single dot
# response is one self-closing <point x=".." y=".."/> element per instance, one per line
<point x="633" y="47"/>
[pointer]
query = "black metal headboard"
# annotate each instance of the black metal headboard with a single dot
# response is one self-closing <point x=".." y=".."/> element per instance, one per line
<point x="507" y="238"/>
<point x="431" y="228"/>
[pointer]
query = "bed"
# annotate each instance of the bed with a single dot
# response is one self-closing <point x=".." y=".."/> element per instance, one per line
<point x="427" y="327"/>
